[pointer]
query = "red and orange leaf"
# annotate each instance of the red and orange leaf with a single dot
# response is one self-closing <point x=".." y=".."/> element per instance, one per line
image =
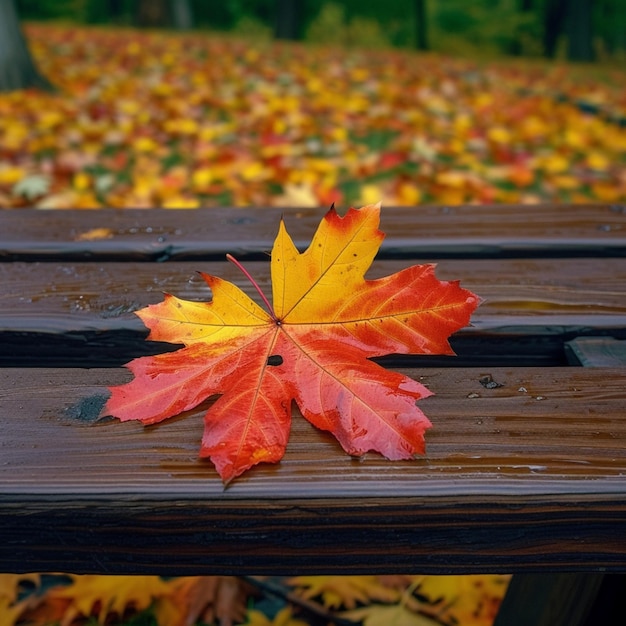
<point x="312" y="346"/>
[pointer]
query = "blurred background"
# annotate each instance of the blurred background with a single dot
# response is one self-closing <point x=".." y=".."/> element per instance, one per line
<point x="189" y="103"/>
<point x="581" y="30"/>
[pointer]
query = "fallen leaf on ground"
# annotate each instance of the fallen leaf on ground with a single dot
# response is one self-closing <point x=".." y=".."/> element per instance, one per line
<point x="344" y="591"/>
<point x="138" y="114"/>
<point x="102" y="597"/>
<point x="11" y="606"/>
<point x="208" y="599"/>
<point x="283" y="617"/>
<point x="471" y="600"/>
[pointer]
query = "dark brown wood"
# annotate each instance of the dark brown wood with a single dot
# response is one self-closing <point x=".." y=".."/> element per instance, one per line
<point x="563" y="599"/>
<point x="526" y="476"/>
<point x="82" y="313"/>
<point x="420" y="232"/>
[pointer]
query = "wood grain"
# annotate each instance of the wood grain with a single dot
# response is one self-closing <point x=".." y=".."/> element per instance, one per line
<point x="437" y="232"/>
<point x="528" y="475"/>
<point x="531" y="474"/>
<point x="82" y="313"/>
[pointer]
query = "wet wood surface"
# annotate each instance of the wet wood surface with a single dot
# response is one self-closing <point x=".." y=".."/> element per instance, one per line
<point x="527" y="475"/>
<point x="524" y="475"/>
<point x="423" y="232"/>
<point x="530" y="306"/>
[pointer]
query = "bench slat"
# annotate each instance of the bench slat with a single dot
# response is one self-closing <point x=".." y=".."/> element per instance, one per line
<point x="464" y="231"/>
<point x="545" y="430"/>
<point x="82" y="313"/>
<point x="529" y="475"/>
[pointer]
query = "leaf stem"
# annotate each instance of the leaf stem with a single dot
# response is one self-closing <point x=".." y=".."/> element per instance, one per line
<point x="247" y="274"/>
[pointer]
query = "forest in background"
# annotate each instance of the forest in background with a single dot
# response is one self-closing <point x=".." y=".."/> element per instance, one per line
<point x="581" y="30"/>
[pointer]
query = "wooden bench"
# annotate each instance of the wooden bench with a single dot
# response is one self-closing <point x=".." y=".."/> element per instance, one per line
<point x="525" y="470"/>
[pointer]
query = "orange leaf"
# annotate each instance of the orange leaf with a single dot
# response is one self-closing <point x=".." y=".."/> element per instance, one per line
<point x="313" y="346"/>
<point x="103" y="596"/>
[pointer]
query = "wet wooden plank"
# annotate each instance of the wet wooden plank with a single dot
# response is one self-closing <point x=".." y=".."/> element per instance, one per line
<point x="565" y="598"/>
<point x="82" y="313"/>
<point x="530" y="475"/>
<point x="464" y="231"/>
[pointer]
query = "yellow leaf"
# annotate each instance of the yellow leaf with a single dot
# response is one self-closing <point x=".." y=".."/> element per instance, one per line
<point x="389" y="615"/>
<point x="144" y="144"/>
<point x="10" y="609"/>
<point x="606" y="192"/>
<point x="201" y="179"/>
<point x="179" y="202"/>
<point x="597" y="161"/>
<point x="129" y="107"/>
<point x="282" y="618"/>
<point x="94" y="234"/>
<point x="279" y="126"/>
<point x="14" y="136"/>
<point x="471" y="600"/>
<point x="347" y="591"/>
<point x="462" y="123"/>
<point x="10" y="583"/>
<point x="533" y="127"/>
<point x="49" y="119"/>
<point x="339" y="133"/>
<point x="452" y="179"/>
<point x="555" y="164"/>
<point x="499" y="134"/>
<point x="575" y="139"/>
<point x="10" y="612"/>
<point x="370" y="194"/>
<point x="253" y="171"/>
<point x="182" y="126"/>
<point x="483" y="99"/>
<point x="107" y="595"/>
<point x="297" y="195"/>
<point x="408" y="194"/>
<point x="9" y="175"/>
<point x="81" y="181"/>
<point x="450" y="196"/>
<point x="566" y="182"/>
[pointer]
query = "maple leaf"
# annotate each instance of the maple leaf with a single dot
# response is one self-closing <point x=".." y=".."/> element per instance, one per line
<point x="12" y="607"/>
<point x="282" y="618"/>
<point x="470" y="600"/>
<point x="101" y="597"/>
<point x="209" y="599"/>
<point x="406" y="611"/>
<point x="385" y="614"/>
<point x="313" y="346"/>
<point x="347" y="591"/>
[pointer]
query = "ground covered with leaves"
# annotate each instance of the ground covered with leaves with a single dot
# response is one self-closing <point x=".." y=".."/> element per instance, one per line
<point x="63" y="600"/>
<point x="155" y="119"/>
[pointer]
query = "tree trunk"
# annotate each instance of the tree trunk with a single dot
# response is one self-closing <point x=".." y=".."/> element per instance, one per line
<point x="580" y="30"/>
<point x="115" y="11"/>
<point x="17" y="68"/>
<point x="554" y="19"/>
<point x="182" y="16"/>
<point x="516" y="47"/>
<point x="421" y="28"/>
<point x="287" y="20"/>
<point x="152" y="13"/>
